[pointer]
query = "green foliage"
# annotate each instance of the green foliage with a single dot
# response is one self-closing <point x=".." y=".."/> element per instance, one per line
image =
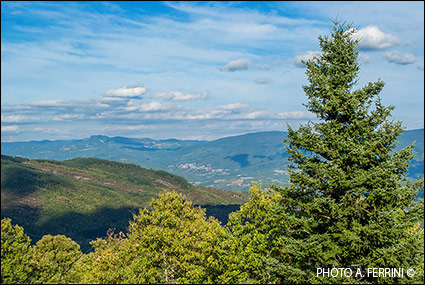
<point x="15" y="248"/>
<point x="49" y="261"/>
<point x="258" y="230"/>
<point x="349" y="203"/>
<point x="54" y="257"/>
<point x="171" y="243"/>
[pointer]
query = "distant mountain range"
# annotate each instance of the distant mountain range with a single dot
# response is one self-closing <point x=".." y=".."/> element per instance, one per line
<point x="228" y="163"/>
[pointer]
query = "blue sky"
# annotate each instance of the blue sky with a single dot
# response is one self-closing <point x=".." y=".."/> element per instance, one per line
<point x="190" y="70"/>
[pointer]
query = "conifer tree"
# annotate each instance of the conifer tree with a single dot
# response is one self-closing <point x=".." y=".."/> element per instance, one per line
<point x="349" y="203"/>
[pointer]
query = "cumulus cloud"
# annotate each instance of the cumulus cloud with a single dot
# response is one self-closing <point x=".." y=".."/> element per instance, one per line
<point x="372" y="38"/>
<point x="10" y="129"/>
<point x="235" y="65"/>
<point x="126" y="92"/>
<point x="180" y="96"/>
<point x="400" y="58"/>
<point x="298" y="59"/>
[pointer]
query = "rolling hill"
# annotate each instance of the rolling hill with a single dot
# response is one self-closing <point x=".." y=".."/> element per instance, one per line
<point x="229" y="163"/>
<point x="82" y="198"/>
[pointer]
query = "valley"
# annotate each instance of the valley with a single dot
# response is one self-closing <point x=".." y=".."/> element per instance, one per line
<point x="229" y="163"/>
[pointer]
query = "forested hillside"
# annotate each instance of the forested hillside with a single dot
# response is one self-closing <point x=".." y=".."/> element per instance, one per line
<point x="82" y="198"/>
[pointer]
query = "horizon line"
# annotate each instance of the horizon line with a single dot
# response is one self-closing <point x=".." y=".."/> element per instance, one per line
<point x="235" y="135"/>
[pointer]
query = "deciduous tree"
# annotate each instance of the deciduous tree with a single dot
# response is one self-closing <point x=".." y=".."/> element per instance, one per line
<point x="15" y="254"/>
<point x="54" y="257"/>
<point x="258" y="230"/>
<point x="172" y="242"/>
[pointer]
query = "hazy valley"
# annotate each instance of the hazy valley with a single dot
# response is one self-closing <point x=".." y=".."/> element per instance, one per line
<point x="229" y="163"/>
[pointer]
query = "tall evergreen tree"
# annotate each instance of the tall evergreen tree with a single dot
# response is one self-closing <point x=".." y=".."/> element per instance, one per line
<point x="349" y="203"/>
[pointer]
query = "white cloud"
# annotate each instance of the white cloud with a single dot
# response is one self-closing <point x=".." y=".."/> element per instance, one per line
<point x="10" y="129"/>
<point x="180" y="96"/>
<point x="134" y="105"/>
<point x="18" y="118"/>
<point x="297" y="115"/>
<point x="126" y="92"/>
<point x="59" y="104"/>
<point x="400" y="58"/>
<point x="233" y="106"/>
<point x="254" y="115"/>
<point x="51" y="131"/>
<point x="233" y="111"/>
<point x="18" y="108"/>
<point x="99" y="105"/>
<point x="305" y="57"/>
<point x="111" y="100"/>
<point x="68" y="117"/>
<point x="372" y="38"/>
<point x="204" y="116"/>
<point x="49" y="103"/>
<point x="235" y="65"/>
<point x="136" y="127"/>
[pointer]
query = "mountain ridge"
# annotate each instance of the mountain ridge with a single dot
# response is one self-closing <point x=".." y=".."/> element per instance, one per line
<point x="229" y="163"/>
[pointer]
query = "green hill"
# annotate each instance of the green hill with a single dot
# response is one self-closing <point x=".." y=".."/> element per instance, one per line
<point x="83" y="197"/>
